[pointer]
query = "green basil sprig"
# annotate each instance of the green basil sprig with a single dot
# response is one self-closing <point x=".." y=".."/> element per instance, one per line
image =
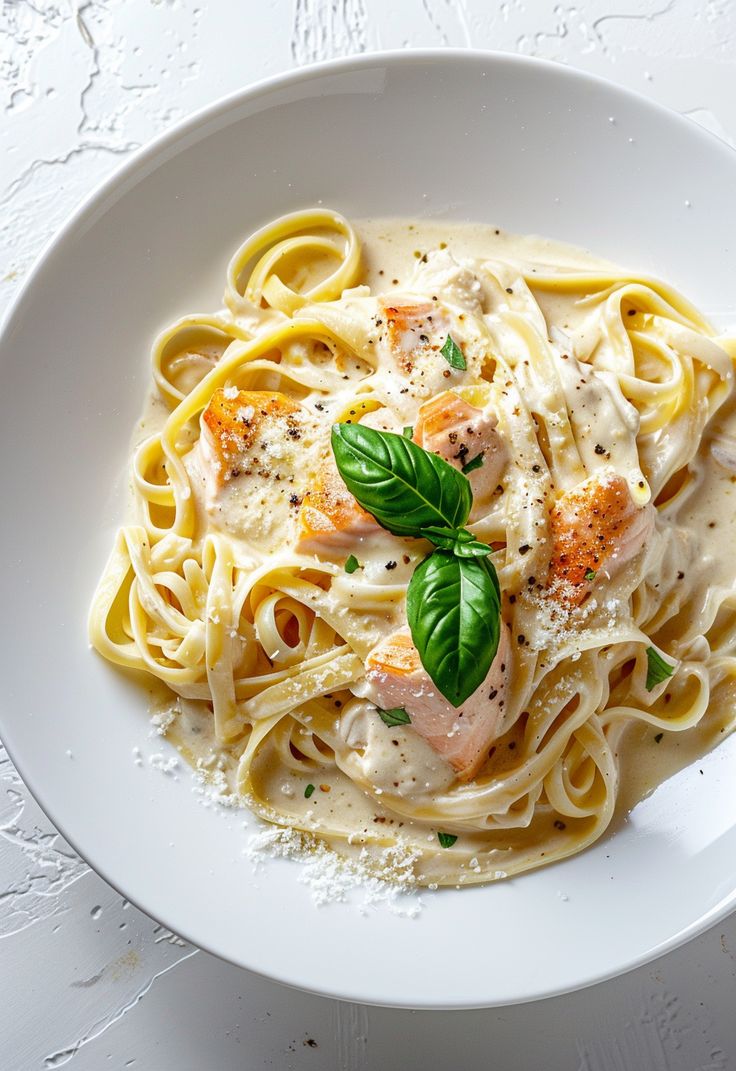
<point x="453" y="601"/>
<point x="460" y="541"/>
<point x="403" y="486"/>
<point x="453" y="610"/>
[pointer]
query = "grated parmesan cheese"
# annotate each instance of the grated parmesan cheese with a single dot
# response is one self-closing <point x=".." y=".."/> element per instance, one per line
<point x="162" y="720"/>
<point x="167" y="765"/>
<point x="388" y="881"/>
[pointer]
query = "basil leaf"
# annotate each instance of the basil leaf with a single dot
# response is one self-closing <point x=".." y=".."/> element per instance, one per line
<point x="308" y="791"/>
<point x="352" y="564"/>
<point x="453" y="354"/>
<point x="472" y="549"/>
<point x="394" y="716"/>
<point x="446" y="839"/>
<point x="403" y="486"/>
<point x="657" y="669"/>
<point x="474" y="463"/>
<point x="454" y="611"/>
<point x="459" y="540"/>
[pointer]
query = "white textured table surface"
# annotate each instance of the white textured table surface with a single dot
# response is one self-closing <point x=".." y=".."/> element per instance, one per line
<point x="87" y="980"/>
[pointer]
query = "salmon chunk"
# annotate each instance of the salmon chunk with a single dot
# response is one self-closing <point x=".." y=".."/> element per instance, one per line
<point x="240" y="425"/>
<point x="460" y="735"/>
<point x="329" y="518"/>
<point x="250" y="467"/>
<point x="595" y="527"/>
<point x="412" y="327"/>
<point x="460" y="433"/>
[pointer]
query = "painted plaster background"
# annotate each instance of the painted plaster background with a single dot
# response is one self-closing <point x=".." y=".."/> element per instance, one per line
<point x="86" y="980"/>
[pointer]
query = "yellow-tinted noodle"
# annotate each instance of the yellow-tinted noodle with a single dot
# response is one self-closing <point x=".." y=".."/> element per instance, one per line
<point x="267" y="644"/>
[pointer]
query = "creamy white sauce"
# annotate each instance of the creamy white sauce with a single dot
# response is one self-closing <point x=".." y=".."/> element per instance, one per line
<point x="388" y="764"/>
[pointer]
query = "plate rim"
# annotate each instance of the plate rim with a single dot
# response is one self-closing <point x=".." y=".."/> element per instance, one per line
<point x="94" y="200"/>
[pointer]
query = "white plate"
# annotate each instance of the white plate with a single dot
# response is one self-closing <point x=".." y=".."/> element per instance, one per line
<point x="457" y="135"/>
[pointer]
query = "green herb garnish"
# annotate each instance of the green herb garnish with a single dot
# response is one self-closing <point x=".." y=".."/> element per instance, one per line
<point x="308" y="791"/>
<point x="446" y="839"/>
<point x="453" y="601"/>
<point x="474" y="463"/>
<point x="408" y="432"/>
<point x="590" y="574"/>
<point x="403" y="486"/>
<point x="657" y="669"/>
<point x="453" y="354"/>
<point x="460" y="541"/>
<point x="394" y="716"/>
<point x="454" y="612"/>
<point x="352" y="564"/>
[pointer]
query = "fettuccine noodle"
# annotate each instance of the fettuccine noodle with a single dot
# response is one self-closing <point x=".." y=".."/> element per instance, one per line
<point x="224" y="587"/>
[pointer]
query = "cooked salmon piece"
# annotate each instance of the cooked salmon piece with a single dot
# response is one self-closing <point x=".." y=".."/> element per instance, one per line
<point x="329" y="517"/>
<point x="595" y="527"/>
<point x="412" y="327"/>
<point x="250" y="468"/>
<point x="459" y="432"/>
<point x="460" y="735"/>
<point x="235" y="422"/>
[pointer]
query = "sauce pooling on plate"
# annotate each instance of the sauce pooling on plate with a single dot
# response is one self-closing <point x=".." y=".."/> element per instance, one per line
<point x="424" y="539"/>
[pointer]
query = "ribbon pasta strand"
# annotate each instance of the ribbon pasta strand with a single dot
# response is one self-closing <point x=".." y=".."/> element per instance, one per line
<point x="262" y="637"/>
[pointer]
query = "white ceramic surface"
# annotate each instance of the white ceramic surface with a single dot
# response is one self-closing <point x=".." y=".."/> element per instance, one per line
<point x="526" y="145"/>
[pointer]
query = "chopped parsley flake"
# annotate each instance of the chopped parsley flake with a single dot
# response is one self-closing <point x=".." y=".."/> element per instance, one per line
<point x="474" y="463"/>
<point x="453" y="354"/>
<point x="394" y="716"/>
<point x="308" y="791"/>
<point x="657" y="669"/>
<point x="352" y="564"/>
<point x="446" y="839"/>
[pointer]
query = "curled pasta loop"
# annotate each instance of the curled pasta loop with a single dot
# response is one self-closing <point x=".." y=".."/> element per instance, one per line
<point x="268" y="644"/>
<point x="186" y="351"/>
<point x="253" y="271"/>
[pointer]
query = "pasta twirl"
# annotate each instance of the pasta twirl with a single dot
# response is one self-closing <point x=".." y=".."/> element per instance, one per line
<point x="592" y="412"/>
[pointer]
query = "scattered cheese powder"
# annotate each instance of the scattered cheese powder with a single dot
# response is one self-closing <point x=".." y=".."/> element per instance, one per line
<point x="388" y="881"/>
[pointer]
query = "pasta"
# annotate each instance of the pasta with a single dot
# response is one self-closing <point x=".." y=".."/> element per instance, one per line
<point x="591" y="413"/>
